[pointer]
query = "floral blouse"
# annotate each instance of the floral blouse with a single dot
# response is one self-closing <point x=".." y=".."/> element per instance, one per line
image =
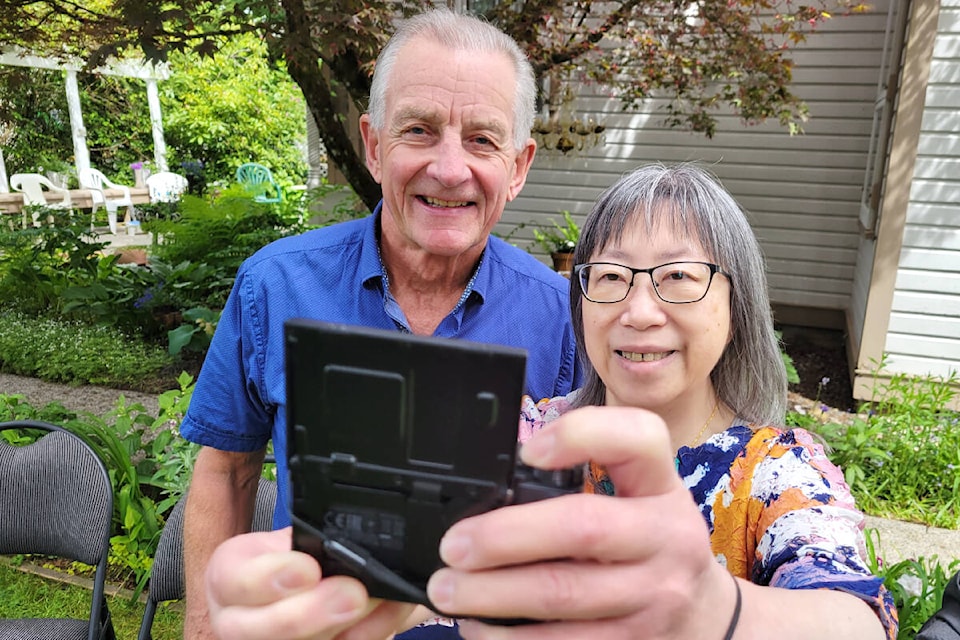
<point x="778" y="511"/>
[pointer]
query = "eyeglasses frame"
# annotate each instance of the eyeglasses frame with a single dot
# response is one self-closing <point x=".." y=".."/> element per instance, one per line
<point x="714" y="270"/>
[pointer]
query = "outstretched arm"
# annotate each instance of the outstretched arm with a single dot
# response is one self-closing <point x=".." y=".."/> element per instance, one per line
<point x="638" y="565"/>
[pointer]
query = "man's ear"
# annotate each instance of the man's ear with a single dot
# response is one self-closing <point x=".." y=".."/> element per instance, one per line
<point x="371" y="146"/>
<point x="522" y="165"/>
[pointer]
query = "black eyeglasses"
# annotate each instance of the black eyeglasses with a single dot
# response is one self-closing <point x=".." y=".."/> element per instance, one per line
<point x="674" y="282"/>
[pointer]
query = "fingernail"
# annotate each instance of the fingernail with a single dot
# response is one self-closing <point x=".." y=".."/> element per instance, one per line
<point x="440" y="590"/>
<point x="454" y="547"/>
<point x="538" y="448"/>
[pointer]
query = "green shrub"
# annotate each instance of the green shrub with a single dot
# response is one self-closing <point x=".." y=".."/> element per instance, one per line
<point x="70" y="352"/>
<point x="38" y="263"/>
<point x="222" y="231"/>
<point x="901" y="454"/>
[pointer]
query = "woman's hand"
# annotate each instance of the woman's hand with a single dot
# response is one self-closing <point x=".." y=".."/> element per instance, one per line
<point x="259" y="588"/>
<point x="637" y="565"/>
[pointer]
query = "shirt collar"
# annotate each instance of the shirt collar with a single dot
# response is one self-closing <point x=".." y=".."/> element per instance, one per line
<point x="372" y="268"/>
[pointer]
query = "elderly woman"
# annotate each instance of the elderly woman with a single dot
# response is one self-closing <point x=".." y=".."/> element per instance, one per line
<point x="702" y="518"/>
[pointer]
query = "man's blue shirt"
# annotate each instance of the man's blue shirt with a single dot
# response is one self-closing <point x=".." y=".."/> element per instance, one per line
<point x="335" y="274"/>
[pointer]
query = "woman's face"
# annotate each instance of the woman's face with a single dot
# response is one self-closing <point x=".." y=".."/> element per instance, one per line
<point x="650" y="353"/>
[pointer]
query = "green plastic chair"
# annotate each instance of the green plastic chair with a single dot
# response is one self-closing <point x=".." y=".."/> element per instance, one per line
<point x="258" y="180"/>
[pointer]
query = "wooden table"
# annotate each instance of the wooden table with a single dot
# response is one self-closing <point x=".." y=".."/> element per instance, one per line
<point x="79" y="198"/>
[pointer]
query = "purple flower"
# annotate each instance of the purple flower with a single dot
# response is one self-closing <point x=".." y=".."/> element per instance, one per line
<point x="136" y="166"/>
<point x="143" y="300"/>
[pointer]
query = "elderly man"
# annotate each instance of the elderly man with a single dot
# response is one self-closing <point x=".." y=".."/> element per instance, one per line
<point x="447" y="137"/>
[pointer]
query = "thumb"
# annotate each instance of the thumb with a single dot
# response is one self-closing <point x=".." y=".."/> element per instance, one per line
<point x="632" y="444"/>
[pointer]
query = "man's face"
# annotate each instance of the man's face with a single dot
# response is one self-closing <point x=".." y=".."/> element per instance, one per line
<point x="445" y="157"/>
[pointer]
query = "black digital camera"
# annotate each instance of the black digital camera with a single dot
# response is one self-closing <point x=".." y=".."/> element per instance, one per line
<point x="392" y="438"/>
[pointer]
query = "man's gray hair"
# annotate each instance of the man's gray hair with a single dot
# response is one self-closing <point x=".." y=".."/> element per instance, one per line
<point x="462" y="33"/>
<point x="750" y="376"/>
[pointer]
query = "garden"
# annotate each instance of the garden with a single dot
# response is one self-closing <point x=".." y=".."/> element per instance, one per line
<point x="72" y="314"/>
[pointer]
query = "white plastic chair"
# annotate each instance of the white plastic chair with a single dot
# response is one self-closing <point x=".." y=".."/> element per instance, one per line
<point x="166" y="186"/>
<point x="97" y="183"/>
<point x="32" y="186"/>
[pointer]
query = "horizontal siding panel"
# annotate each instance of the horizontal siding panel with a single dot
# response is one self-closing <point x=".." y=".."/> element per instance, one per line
<point x="938" y="145"/>
<point x="749" y="138"/>
<point x="949" y="20"/>
<point x="812" y="237"/>
<point x="807" y="76"/>
<point x="933" y="214"/>
<point x="943" y="96"/>
<point x="830" y="59"/>
<point x="785" y="161"/>
<point x="934" y="191"/>
<point x="563" y="192"/>
<point x="819" y="125"/>
<point x="936" y="167"/>
<point x="928" y="281"/>
<point x="832" y="208"/>
<point x="803" y="264"/>
<point x="763" y="219"/>
<point x="838" y="255"/>
<point x="914" y="366"/>
<point x="787" y="281"/>
<point x="930" y="237"/>
<point x="791" y="190"/>
<point x="852" y="38"/>
<point x="924" y="347"/>
<point x="925" y="303"/>
<point x="946" y="44"/>
<point x="929" y="258"/>
<point x="943" y="72"/>
<point x="940" y="120"/>
<point x="808" y="298"/>
<point x="728" y="167"/>
<point x="922" y="325"/>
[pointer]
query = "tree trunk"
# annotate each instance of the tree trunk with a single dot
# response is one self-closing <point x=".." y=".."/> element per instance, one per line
<point x="303" y="64"/>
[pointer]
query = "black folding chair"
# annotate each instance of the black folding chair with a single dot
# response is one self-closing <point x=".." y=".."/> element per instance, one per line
<point x="56" y="500"/>
<point x="167" y="575"/>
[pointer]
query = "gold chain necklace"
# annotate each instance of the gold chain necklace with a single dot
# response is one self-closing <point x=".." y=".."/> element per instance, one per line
<point x="705" y="424"/>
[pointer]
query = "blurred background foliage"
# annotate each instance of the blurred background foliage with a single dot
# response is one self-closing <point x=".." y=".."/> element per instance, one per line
<point x="233" y="107"/>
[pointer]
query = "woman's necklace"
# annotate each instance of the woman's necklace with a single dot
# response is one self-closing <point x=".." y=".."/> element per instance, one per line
<point x="705" y="424"/>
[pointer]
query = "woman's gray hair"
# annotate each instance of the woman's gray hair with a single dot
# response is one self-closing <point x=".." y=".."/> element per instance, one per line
<point x="462" y="33"/>
<point x="750" y="376"/>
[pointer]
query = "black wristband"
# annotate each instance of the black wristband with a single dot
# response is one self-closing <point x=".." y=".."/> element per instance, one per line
<point x="735" y="619"/>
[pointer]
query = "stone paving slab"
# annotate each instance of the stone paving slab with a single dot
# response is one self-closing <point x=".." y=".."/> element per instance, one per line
<point x="902" y="540"/>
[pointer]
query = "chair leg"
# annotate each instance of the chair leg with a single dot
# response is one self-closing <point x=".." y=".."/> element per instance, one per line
<point x="112" y="220"/>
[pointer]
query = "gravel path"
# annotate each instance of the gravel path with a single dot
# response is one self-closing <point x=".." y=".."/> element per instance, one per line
<point x="96" y="400"/>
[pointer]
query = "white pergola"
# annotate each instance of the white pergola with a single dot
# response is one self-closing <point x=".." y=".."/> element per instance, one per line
<point x="148" y="72"/>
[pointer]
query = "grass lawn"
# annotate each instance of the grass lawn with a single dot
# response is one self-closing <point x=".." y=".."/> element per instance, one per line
<point x="27" y="595"/>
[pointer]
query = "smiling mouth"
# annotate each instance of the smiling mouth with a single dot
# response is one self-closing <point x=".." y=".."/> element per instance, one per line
<point x="644" y="357"/>
<point x="449" y="204"/>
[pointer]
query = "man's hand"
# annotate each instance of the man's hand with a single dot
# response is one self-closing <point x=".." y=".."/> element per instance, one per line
<point x="259" y="588"/>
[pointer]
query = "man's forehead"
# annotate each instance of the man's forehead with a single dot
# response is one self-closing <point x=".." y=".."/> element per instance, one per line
<point x="453" y="85"/>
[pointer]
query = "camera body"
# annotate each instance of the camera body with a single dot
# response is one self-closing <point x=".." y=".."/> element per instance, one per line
<point x="392" y="438"/>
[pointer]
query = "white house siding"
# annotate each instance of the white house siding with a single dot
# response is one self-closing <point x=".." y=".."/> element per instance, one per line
<point x="923" y="336"/>
<point x="802" y="193"/>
